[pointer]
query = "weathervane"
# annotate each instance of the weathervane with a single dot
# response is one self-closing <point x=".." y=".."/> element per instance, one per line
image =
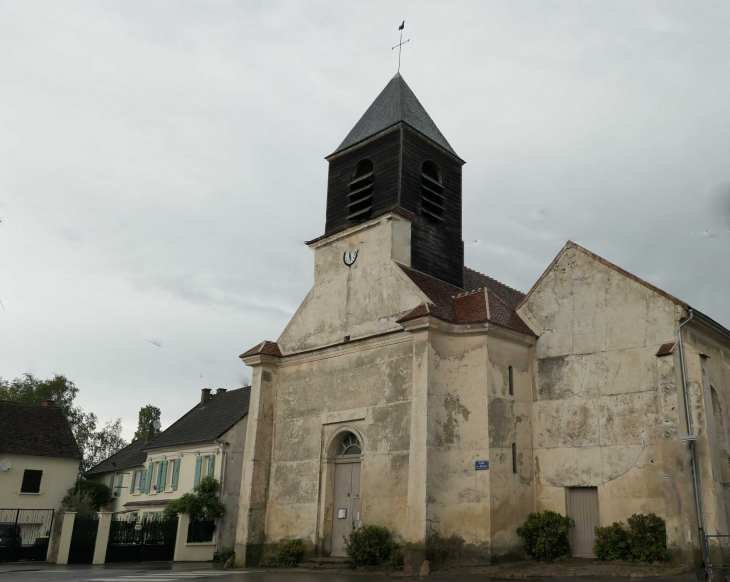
<point x="401" y="43"/>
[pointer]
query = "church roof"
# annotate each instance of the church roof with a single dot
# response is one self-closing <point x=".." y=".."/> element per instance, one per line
<point x="395" y="103"/>
<point x="454" y="305"/>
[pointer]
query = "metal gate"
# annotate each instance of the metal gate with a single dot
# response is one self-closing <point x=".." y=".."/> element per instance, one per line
<point x="24" y="534"/>
<point x="83" y="540"/>
<point x="137" y="541"/>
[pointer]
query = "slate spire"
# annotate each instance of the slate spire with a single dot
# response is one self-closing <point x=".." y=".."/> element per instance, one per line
<point x="395" y="103"/>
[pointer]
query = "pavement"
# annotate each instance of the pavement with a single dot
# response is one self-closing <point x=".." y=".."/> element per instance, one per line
<point x="206" y="572"/>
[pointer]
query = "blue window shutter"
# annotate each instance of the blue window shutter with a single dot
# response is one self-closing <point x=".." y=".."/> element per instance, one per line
<point x="159" y="475"/>
<point x="175" y="473"/>
<point x="132" y="482"/>
<point x="211" y="465"/>
<point x="163" y="470"/>
<point x="111" y="482"/>
<point x="120" y="478"/>
<point x="198" y="465"/>
<point x="150" y="469"/>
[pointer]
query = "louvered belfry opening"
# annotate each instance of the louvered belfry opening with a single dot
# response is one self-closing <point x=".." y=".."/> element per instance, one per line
<point x="432" y="191"/>
<point x="360" y="198"/>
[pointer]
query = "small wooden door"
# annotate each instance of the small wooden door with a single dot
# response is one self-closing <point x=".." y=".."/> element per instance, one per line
<point x="582" y="505"/>
<point x="346" y="514"/>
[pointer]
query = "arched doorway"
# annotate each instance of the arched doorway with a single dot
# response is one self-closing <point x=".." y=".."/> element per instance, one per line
<point x="346" y="505"/>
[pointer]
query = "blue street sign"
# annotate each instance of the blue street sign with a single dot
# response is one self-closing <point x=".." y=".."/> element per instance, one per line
<point x="481" y="465"/>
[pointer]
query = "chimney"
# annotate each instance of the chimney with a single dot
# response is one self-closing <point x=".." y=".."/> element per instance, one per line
<point x="150" y="432"/>
<point x="205" y="396"/>
<point x="221" y="391"/>
<point x="49" y="403"/>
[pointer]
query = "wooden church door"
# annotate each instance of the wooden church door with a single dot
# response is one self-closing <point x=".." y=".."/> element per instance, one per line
<point x="346" y="514"/>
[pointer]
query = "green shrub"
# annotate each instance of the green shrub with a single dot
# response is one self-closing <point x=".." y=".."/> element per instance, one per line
<point x="648" y="538"/>
<point x="396" y="560"/>
<point x="546" y="535"/>
<point x="369" y="545"/>
<point x="202" y="503"/>
<point x="612" y="542"/>
<point x="224" y="554"/>
<point x="288" y="553"/>
<point x="98" y="494"/>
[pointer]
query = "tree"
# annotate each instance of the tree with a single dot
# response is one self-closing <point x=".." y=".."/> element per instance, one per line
<point x="98" y="494"/>
<point x="96" y="445"/>
<point x="201" y="504"/>
<point x="147" y="415"/>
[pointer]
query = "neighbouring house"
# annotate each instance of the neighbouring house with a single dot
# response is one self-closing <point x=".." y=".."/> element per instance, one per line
<point x="39" y="462"/>
<point x="208" y="440"/>
<point x="412" y="392"/>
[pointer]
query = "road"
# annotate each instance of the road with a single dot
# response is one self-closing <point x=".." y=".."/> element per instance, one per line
<point x="166" y="572"/>
<point x="160" y="572"/>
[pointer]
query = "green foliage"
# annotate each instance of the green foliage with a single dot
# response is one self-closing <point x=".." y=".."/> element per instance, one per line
<point x="96" y="445"/>
<point x="645" y="540"/>
<point x="225" y="554"/>
<point x="202" y="503"/>
<point x="80" y="503"/>
<point x="546" y="535"/>
<point x="147" y="415"/>
<point x="369" y="545"/>
<point x="288" y="553"/>
<point x="612" y="542"/>
<point x="99" y="494"/>
<point x="396" y="560"/>
<point x="648" y="538"/>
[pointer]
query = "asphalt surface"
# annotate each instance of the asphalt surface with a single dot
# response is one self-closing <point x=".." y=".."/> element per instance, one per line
<point x="201" y="572"/>
<point x="161" y="572"/>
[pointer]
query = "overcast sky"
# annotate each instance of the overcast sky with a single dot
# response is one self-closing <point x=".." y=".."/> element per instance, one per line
<point x="161" y="164"/>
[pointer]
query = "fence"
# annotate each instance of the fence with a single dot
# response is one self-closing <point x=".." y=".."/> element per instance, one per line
<point x="28" y="531"/>
<point x="83" y="540"/>
<point x="131" y="540"/>
<point x="200" y="531"/>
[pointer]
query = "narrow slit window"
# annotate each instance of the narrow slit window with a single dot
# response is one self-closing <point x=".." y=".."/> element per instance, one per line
<point x="360" y="198"/>
<point x="432" y="192"/>
<point x="514" y="457"/>
<point x="511" y="375"/>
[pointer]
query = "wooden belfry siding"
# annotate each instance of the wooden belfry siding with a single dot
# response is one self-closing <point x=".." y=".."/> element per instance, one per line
<point x="398" y="156"/>
<point x="436" y="247"/>
<point x="384" y="153"/>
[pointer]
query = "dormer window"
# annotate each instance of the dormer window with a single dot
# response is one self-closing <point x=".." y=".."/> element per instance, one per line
<point x="360" y="198"/>
<point x="432" y="191"/>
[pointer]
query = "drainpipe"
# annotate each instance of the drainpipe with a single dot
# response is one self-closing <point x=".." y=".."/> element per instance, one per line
<point x="222" y="447"/>
<point x="691" y="442"/>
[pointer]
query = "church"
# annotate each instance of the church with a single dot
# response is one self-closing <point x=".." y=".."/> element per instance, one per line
<point x="412" y="392"/>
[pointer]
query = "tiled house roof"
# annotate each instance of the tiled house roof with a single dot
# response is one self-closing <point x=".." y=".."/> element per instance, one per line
<point x="42" y="431"/>
<point x="206" y="421"/>
<point x="453" y="305"/>
<point x="265" y="348"/>
<point x="130" y="456"/>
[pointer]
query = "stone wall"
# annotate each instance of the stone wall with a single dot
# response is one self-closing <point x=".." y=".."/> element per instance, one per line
<point x="607" y="410"/>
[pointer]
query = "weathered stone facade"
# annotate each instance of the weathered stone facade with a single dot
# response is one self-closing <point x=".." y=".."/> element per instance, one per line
<point x="577" y="384"/>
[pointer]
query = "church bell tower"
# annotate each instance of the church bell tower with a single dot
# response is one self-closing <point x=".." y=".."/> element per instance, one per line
<point x="396" y="157"/>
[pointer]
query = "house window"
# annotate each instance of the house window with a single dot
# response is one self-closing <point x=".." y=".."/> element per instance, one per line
<point x="360" y="198"/>
<point x="432" y="191"/>
<point x="510" y="373"/>
<point x="31" y="481"/>
<point x="514" y="457"/>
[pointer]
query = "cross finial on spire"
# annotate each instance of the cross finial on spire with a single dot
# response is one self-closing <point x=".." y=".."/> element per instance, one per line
<point x="401" y="43"/>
